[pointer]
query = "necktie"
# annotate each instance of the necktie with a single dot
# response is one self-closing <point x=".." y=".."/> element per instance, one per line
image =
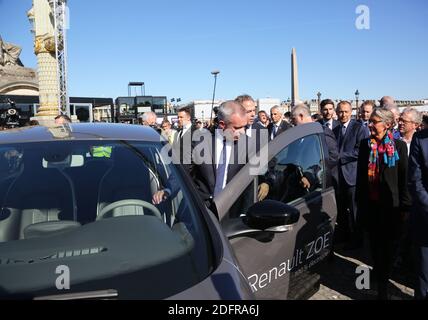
<point x="342" y="135"/>
<point x="220" y="172"/>
<point x="180" y="134"/>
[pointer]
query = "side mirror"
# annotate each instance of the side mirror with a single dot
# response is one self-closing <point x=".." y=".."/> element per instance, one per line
<point x="267" y="216"/>
<point x="271" y="215"/>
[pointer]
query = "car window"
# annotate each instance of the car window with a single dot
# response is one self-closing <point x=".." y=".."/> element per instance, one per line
<point x="297" y="170"/>
<point x="66" y="186"/>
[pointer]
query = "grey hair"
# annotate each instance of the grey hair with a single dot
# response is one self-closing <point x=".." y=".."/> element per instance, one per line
<point x="384" y="114"/>
<point x="244" y="97"/>
<point x="415" y="114"/>
<point x="228" y="108"/>
<point x="147" y="114"/>
<point x="280" y="109"/>
<point x="301" y="109"/>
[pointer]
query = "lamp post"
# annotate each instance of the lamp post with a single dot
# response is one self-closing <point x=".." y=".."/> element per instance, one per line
<point x="214" y="73"/>
<point x="357" y="95"/>
<point x="319" y="100"/>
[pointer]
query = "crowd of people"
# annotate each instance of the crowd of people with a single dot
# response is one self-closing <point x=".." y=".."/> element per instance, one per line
<point x="378" y="161"/>
<point x="379" y="191"/>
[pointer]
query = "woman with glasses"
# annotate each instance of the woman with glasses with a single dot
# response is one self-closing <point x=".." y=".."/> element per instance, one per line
<point x="382" y="194"/>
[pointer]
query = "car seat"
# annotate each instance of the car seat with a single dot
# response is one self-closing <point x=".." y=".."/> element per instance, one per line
<point x="129" y="178"/>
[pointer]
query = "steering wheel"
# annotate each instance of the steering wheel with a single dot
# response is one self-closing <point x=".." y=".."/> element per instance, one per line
<point x="129" y="202"/>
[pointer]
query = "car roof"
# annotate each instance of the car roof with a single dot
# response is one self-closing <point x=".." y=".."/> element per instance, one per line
<point x="80" y="131"/>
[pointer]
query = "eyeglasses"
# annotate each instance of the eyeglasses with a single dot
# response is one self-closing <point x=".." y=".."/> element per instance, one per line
<point x="375" y="121"/>
<point x="404" y="121"/>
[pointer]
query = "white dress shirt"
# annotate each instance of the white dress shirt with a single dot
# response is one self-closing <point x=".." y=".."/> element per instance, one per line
<point x="219" y="146"/>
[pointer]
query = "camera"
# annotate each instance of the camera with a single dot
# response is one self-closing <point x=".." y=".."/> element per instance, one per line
<point x="10" y="117"/>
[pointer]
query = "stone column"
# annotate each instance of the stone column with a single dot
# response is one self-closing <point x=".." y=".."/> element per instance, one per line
<point x="44" y="48"/>
<point x="294" y="79"/>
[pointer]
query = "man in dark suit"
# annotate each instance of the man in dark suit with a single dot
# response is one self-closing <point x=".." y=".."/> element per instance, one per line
<point x="366" y="110"/>
<point x="278" y="125"/>
<point x="348" y="135"/>
<point x="301" y="115"/>
<point x="220" y="160"/>
<point x="253" y="128"/>
<point x="418" y="187"/>
<point x="255" y="138"/>
<point x="182" y="145"/>
<point x="327" y="111"/>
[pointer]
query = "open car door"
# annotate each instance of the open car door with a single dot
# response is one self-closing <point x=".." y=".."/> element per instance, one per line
<point x="278" y="241"/>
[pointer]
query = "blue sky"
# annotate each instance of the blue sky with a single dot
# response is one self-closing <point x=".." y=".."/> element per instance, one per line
<point x="174" y="45"/>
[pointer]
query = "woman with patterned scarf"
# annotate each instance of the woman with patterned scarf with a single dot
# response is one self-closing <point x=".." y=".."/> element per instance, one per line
<point x="382" y="195"/>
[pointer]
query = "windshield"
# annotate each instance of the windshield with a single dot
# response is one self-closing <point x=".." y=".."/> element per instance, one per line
<point x="54" y="194"/>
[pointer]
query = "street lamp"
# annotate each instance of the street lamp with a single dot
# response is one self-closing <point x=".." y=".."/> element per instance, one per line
<point x="319" y="100"/>
<point x="357" y="95"/>
<point x="214" y="73"/>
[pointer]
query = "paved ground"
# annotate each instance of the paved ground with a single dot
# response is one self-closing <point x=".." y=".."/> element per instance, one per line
<point x="338" y="279"/>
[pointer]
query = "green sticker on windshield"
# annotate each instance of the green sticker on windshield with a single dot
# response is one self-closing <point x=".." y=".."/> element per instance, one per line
<point x="101" y="151"/>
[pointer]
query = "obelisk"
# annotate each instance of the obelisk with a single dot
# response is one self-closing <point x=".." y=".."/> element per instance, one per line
<point x="44" y="48"/>
<point x="294" y="79"/>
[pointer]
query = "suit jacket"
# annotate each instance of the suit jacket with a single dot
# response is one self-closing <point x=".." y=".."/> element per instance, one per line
<point x="203" y="172"/>
<point x="282" y="127"/>
<point x="257" y="139"/>
<point x="418" y="186"/>
<point x="348" y="147"/>
<point x="183" y="146"/>
<point x="366" y="126"/>
<point x="335" y="123"/>
<point x="333" y="155"/>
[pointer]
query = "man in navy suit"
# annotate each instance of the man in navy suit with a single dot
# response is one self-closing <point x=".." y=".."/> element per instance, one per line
<point x="366" y="110"/>
<point x="253" y="129"/>
<point x="418" y="187"/>
<point x="348" y="135"/>
<point x="301" y="115"/>
<point x="254" y="132"/>
<point x="327" y="110"/>
<point x="278" y="125"/>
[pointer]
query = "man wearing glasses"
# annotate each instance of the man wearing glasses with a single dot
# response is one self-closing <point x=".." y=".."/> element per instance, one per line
<point x="408" y="122"/>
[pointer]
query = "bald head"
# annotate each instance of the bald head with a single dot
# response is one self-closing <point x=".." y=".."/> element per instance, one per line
<point x="149" y="118"/>
<point x="232" y="118"/>
<point x="386" y="100"/>
<point x="301" y="114"/>
<point x="228" y="108"/>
